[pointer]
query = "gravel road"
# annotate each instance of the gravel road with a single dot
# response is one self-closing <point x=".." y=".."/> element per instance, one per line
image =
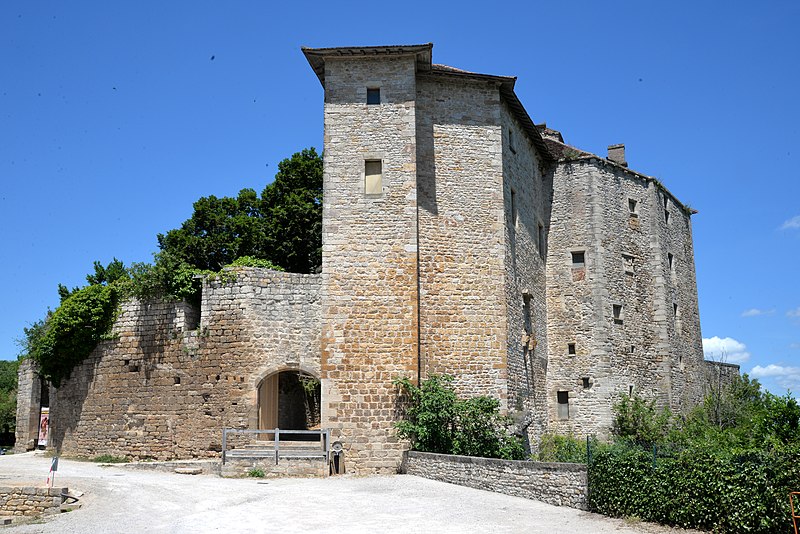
<point x="124" y="500"/>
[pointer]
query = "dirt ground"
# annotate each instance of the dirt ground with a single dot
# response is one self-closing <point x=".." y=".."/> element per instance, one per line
<point x="119" y="499"/>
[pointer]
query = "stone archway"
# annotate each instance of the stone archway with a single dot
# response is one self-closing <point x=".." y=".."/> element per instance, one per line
<point x="289" y="400"/>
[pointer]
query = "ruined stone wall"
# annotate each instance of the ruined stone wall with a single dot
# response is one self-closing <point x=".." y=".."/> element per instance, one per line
<point x="527" y="193"/>
<point x="29" y="391"/>
<point x="554" y="483"/>
<point x="369" y="256"/>
<point x="460" y="173"/>
<point x="617" y="220"/>
<point x="719" y="376"/>
<point x="159" y="391"/>
<point x="28" y="501"/>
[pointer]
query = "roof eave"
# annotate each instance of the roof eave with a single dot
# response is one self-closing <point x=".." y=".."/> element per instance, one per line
<point x="317" y="56"/>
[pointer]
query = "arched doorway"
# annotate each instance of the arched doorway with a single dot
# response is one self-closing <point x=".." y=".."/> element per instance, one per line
<point x="289" y="400"/>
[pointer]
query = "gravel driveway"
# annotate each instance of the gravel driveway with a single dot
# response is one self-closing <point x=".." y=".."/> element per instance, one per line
<point x="126" y="500"/>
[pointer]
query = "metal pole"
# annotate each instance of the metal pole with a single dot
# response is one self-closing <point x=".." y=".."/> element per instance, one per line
<point x="277" y="437"/>
<point x="224" y="443"/>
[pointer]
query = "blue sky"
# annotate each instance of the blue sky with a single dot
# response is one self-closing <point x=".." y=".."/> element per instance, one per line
<point x="115" y="117"/>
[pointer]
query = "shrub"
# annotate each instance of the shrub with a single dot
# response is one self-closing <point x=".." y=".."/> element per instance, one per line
<point x="437" y="421"/>
<point x="256" y="472"/>
<point x="110" y="459"/>
<point x="556" y="448"/>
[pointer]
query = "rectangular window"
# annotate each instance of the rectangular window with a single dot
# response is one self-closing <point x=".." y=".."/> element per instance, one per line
<point x="670" y="259"/>
<point x="633" y="208"/>
<point x="571" y="349"/>
<point x="578" y="258"/>
<point x="563" y="404"/>
<point x="617" y="311"/>
<point x="373" y="96"/>
<point x="666" y="216"/>
<point x="373" y="177"/>
<point x="675" y="310"/>
<point x="627" y="261"/>
<point x="511" y="141"/>
<point x="586" y="383"/>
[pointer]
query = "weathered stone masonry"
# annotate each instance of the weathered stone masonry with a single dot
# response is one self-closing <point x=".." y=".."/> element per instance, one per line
<point x="459" y="238"/>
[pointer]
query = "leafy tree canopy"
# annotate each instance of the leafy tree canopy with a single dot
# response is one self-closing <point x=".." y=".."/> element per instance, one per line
<point x="283" y="225"/>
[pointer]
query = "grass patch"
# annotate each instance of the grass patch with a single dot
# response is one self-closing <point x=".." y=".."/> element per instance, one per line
<point x="256" y="473"/>
<point x="110" y="459"/>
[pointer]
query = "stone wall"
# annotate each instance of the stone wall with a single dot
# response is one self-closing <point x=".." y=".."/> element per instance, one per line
<point x="29" y="391"/>
<point x="634" y="260"/>
<point x="159" y="391"/>
<point x="527" y="193"/>
<point x="369" y="256"/>
<point x="719" y="376"/>
<point x="28" y="501"/>
<point x="553" y="483"/>
<point x="461" y="234"/>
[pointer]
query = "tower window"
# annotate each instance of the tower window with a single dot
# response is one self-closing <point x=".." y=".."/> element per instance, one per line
<point x="633" y="207"/>
<point x="571" y="349"/>
<point x="511" y="141"/>
<point x="578" y="258"/>
<point x="627" y="261"/>
<point x="373" y="96"/>
<point x="617" y="311"/>
<point x="373" y="177"/>
<point x="586" y="382"/>
<point x="563" y="405"/>
<point x="666" y="216"/>
<point x="670" y="259"/>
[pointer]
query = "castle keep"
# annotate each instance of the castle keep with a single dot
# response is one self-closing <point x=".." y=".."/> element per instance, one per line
<point x="458" y="237"/>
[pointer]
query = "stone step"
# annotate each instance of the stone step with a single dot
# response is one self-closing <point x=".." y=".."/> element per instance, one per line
<point x="189" y="470"/>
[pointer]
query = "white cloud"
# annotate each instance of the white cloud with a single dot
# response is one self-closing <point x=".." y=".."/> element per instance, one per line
<point x="755" y="312"/>
<point x="793" y="313"/>
<point x="791" y="224"/>
<point x="725" y="349"/>
<point x="784" y="376"/>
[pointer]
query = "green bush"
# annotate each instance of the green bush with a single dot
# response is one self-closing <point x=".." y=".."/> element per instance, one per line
<point x="438" y="421"/>
<point x="110" y="459"/>
<point x="256" y="472"/>
<point x="556" y="448"/>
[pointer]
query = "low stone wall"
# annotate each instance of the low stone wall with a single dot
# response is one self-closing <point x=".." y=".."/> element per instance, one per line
<point x="553" y="483"/>
<point x="286" y="467"/>
<point x="16" y="501"/>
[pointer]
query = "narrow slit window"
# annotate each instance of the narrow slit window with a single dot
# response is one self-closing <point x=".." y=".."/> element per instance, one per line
<point x="513" y="208"/>
<point x="675" y="309"/>
<point x="617" y="311"/>
<point x="571" y="349"/>
<point x="511" y="141"/>
<point x="670" y="260"/>
<point x="578" y="258"/>
<point x="373" y="177"/>
<point x="373" y="96"/>
<point x="666" y="216"/>
<point x="541" y="240"/>
<point x="586" y="383"/>
<point x="630" y="391"/>
<point x="563" y="404"/>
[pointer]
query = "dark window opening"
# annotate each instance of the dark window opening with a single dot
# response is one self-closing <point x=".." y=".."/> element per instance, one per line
<point x="586" y="383"/>
<point x="633" y="349"/>
<point x="563" y="404"/>
<point x="630" y="391"/>
<point x="177" y="380"/>
<point x="511" y="141"/>
<point x="578" y="258"/>
<point x="373" y="96"/>
<point x="617" y="311"/>
<point x="666" y="216"/>
<point x="632" y="208"/>
<point x="571" y="349"/>
<point x="670" y="258"/>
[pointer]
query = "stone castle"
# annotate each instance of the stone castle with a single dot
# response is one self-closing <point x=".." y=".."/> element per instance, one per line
<point x="458" y="237"/>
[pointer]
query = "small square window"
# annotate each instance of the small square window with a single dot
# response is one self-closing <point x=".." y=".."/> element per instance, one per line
<point x="373" y="96"/>
<point x="627" y="261"/>
<point x="586" y="383"/>
<point x="633" y="207"/>
<point x="373" y="177"/>
<point x="578" y="258"/>
<point x="571" y="349"/>
<point x="617" y="311"/>
<point x="563" y="404"/>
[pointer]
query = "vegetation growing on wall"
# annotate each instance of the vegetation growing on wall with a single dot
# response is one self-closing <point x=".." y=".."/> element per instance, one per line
<point x="281" y="229"/>
<point x="436" y="420"/>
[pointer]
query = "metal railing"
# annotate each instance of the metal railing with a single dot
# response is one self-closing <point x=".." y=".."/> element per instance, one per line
<point x="290" y="449"/>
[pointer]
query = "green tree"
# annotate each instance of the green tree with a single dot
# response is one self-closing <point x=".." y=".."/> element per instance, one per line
<point x="283" y="225"/>
<point x="636" y="419"/>
<point x="8" y="395"/>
